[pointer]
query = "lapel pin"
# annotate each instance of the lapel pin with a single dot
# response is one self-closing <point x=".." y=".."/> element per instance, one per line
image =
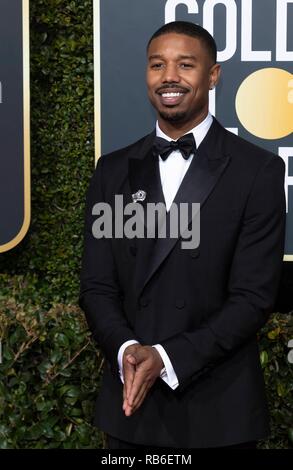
<point x="139" y="196"/>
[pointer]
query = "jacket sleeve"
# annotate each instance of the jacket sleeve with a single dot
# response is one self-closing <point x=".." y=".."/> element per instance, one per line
<point x="100" y="294"/>
<point x="253" y="282"/>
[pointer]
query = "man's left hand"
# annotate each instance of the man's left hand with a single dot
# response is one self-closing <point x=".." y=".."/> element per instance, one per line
<point x="148" y="365"/>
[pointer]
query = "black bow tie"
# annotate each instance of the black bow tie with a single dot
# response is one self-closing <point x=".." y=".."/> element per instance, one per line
<point x="186" y="144"/>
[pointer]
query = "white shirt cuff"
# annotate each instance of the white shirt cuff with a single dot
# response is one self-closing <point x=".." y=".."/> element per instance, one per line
<point x="120" y="356"/>
<point x="168" y="374"/>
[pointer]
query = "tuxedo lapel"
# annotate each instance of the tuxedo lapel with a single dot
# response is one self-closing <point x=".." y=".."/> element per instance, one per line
<point x="143" y="172"/>
<point x="206" y="168"/>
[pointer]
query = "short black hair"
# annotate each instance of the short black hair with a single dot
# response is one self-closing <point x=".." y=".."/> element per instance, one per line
<point x="189" y="29"/>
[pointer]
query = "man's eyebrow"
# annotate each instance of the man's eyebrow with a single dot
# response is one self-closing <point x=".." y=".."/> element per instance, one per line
<point x="187" y="56"/>
<point x="155" y="56"/>
<point x="180" y="57"/>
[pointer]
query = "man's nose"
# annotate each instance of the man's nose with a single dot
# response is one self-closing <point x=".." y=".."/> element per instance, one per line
<point x="171" y="74"/>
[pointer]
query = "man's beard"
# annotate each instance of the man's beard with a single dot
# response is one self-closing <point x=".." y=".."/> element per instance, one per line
<point x="173" y="117"/>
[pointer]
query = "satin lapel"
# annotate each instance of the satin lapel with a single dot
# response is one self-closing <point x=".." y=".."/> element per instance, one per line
<point x="143" y="173"/>
<point x="203" y="174"/>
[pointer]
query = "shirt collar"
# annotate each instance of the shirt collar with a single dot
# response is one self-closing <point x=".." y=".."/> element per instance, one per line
<point x="199" y="131"/>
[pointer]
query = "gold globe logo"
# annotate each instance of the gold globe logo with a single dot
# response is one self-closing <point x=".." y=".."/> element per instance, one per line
<point x="264" y="103"/>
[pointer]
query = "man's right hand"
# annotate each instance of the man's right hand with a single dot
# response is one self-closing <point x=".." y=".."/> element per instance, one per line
<point x="129" y="367"/>
<point x="143" y="368"/>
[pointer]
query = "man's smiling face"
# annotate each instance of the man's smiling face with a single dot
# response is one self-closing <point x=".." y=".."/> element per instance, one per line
<point x="180" y="73"/>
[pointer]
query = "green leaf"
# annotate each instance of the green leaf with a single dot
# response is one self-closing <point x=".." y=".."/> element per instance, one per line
<point x="273" y="334"/>
<point x="281" y="389"/>
<point x="264" y="358"/>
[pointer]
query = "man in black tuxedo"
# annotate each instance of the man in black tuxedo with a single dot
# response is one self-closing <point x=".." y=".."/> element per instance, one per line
<point x="178" y="327"/>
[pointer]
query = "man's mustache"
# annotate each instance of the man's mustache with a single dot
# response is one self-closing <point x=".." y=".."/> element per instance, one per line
<point x="173" y="87"/>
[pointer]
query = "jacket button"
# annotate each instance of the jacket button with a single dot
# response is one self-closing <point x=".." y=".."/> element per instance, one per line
<point x="180" y="303"/>
<point x="194" y="253"/>
<point x="132" y="250"/>
<point x="144" y="302"/>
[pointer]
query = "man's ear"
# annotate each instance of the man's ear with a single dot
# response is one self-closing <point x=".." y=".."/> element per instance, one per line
<point x="215" y="73"/>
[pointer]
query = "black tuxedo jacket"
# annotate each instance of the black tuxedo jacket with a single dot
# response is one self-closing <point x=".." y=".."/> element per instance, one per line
<point x="204" y="306"/>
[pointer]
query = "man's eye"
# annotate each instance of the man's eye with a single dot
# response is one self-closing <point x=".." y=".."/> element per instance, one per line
<point x="156" y="66"/>
<point x="186" y="66"/>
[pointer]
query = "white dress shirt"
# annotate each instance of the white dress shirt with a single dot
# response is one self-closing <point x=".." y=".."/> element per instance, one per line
<point x="173" y="169"/>
<point x="172" y="172"/>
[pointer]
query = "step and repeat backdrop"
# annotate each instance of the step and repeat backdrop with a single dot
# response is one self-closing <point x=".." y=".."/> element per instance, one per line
<point x="255" y="49"/>
<point x="254" y="98"/>
<point x="14" y="123"/>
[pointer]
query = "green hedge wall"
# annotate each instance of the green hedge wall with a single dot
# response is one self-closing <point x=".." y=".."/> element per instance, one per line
<point x="49" y="375"/>
<point x="62" y="148"/>
<point x="51" y="368"/>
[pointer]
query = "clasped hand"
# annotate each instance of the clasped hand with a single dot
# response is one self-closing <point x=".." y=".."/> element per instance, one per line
<point x="141" y="367"/>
